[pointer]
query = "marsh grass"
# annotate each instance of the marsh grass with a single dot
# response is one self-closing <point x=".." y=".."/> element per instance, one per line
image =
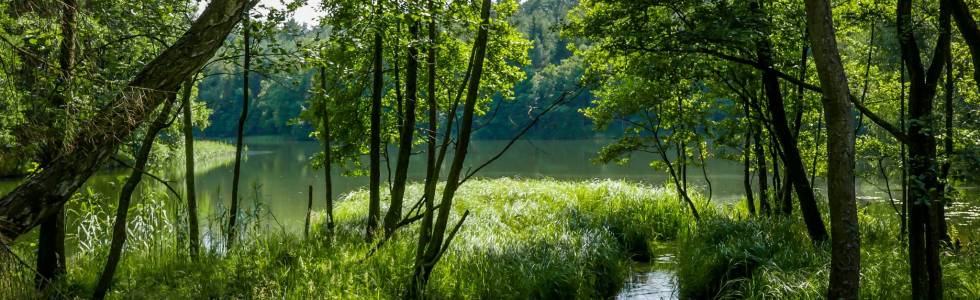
<point x="731" y="257"/>
<point x="524" y="239"/>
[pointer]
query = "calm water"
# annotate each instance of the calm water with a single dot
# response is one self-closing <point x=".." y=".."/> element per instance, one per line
<point x="279" y="170"/>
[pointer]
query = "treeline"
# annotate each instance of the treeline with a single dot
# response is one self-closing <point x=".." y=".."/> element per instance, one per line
<point x="279" y="97"/>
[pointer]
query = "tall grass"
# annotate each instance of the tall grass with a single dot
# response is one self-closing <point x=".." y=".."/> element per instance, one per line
<point x="524" y="239"/>
<point x="773" y="258"/>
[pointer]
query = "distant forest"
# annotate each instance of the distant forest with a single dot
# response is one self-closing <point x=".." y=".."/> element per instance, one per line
<point x="281" y="92"/>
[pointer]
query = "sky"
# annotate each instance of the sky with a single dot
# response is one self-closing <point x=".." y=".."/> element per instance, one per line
<point x="307" y="14"/>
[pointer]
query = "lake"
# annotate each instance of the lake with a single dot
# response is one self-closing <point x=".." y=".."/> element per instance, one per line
<point x="280" y="170"/>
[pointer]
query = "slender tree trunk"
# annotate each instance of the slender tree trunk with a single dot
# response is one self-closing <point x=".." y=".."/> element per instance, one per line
<point x="794" y="162"/>
<point x="236" y="176"/>
<point x="845" y="257"/>
<point x="192" y="224"/>
<point x="682" y="145"/>
<point x="948" y="151"/>
<point x="681" y="190"/>
<point x="786" y="195"/>
<point x="42" y="194"/>
<point x="924" y="222"/>
<point x="437" y="243"/>
<point x="309" y="212"/>
<point x="761" y="170"/>
<point x="374" y="204"/>
<point x="777" y="178"/>
<point x="327" y="159"/>
<point x="797" y="125"/>
<point x="431" y="168"/>
<point x="406" y="134"/>
<point x="126" y="196"/>
<point x="903" y="230"/>
<point x="51" y="236"/>
<point x="704" y="171"/>
<point x="746" y="160"/>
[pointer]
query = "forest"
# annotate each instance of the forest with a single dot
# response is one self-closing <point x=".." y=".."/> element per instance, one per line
<point x="491" y="149"/>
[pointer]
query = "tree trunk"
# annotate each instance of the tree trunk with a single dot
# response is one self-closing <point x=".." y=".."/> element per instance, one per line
<point x="924" y="220"/>
<point x="431" y="167"/>
<point x="309" y="212"/>
<point x="903" y="230"/>
<point x="51" y="249"/>
<point x="406" y="133"/>
<point x="970" y="31"/>
<point x="42" y="194"/>
<point x="762" y="169"/>
<point x="681" y="189"/>
<point x="845" y="257"/>
<point x="797" y="125"/>
<point x="374" y="185"/>
<point x="126" y="196"/>
<point x="236" y="175"/>
<point x="192" y="224"/>
<point x="51" y="237"/>
<point x="746" y="160"/>
<point x="327" y="159"/>
<point x="793" y="160"/>
<point x="435" y="247"/>
<point x="948" y="151"/>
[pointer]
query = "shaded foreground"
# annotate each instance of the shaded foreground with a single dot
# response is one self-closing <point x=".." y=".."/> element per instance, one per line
<point x="523" y="239"/>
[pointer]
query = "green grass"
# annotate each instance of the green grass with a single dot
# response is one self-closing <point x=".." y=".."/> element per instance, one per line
<point x="773" y="258"/>
<point x="524" y="239"/>
<point x="208" y="155"/>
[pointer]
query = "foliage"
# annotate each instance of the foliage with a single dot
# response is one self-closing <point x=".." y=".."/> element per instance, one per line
<point x="527" y="239"/>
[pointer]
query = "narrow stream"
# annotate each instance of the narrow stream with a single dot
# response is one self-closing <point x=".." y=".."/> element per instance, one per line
<point x="655" y="280"/>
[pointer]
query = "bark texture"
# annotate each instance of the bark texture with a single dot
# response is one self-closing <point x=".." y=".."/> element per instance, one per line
<point x="377" y="89"/>
<point x="845" y="257"/>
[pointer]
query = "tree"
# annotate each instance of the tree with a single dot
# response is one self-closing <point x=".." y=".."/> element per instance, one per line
<point x="51" y="237"/>
<point x="188" y="131"/>
<point x="43" y="193"/>
<point x="438" y="241"/>
<point x="374" y="206"/>
<point x="406" y="129"/>
<point x="845" y="265"/>
<point x="126" y="196"/>
<point x="926" y="220"/>
<point x="246" y="88"/>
